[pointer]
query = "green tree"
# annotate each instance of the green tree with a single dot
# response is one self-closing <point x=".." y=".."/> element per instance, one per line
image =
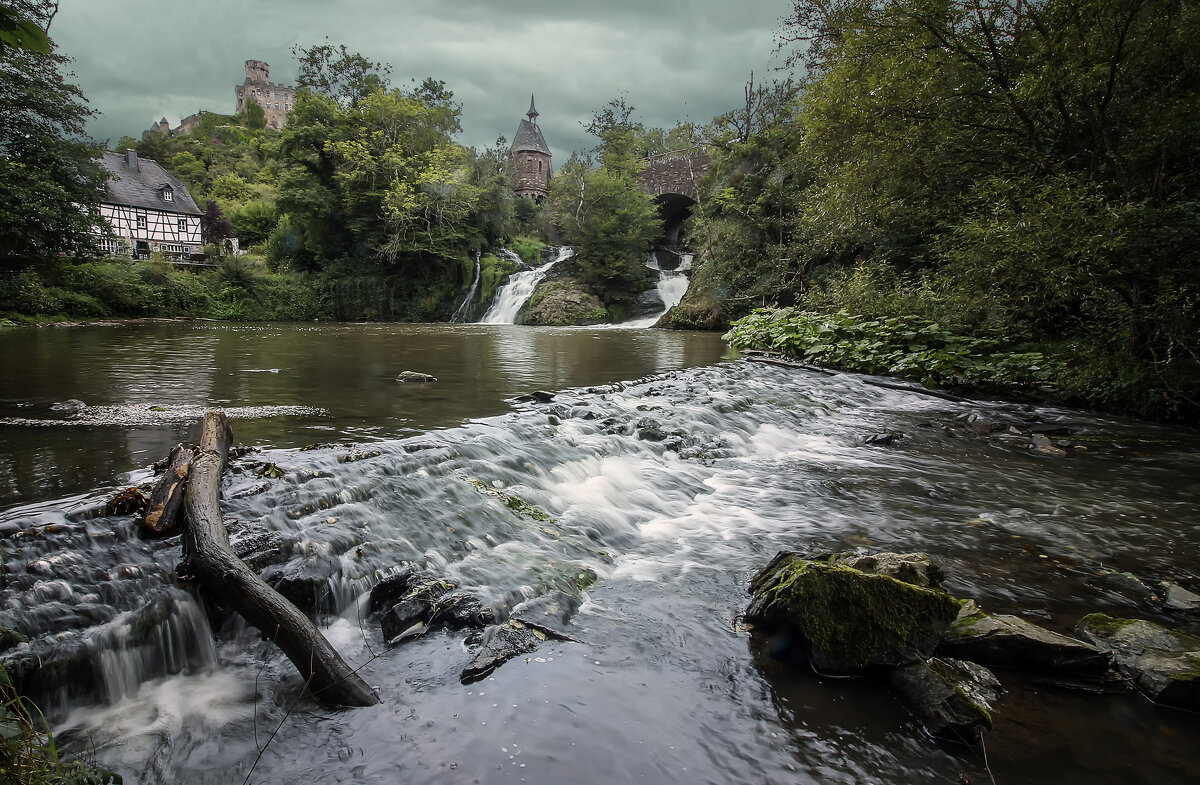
<point x="253" y="116"/>
<point x="338" y="74"/>
<point x="50" y="182"/>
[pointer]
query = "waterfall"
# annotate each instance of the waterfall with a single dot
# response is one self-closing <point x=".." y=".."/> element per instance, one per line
<point x="517" y="291"/>
<point x="461" y="313"/>
<point x="672" y="285"/>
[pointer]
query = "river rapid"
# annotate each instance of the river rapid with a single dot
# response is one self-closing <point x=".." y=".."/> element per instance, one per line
<point x="664" y="470"/>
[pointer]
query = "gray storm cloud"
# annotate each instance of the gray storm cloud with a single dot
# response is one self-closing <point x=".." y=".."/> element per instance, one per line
<point x="138" y="60"/>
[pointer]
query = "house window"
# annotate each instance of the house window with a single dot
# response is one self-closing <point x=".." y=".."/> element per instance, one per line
<point x="170" y="248"/>
<point x="168" y="195"/>
<point x="111" y="246"/>
<point x="183" y="224"/>
<point x="141" y="222"/>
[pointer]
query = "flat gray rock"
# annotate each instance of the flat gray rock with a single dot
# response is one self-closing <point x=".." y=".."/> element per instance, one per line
<point x="1010" y="642"/>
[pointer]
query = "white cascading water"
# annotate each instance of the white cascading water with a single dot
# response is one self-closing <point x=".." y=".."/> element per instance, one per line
<point x="461" y="313"/>
<point x="514" y="294"/>
<point x="672" y="285"/>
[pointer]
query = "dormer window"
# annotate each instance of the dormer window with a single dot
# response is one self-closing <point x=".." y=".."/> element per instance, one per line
<point x="168" y="195"/>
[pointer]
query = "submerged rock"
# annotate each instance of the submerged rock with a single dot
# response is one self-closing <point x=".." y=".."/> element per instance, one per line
<point x="1164" y="664"/>
<point x="497" y="645"/>
<point x="415" y="376"/>
<point x="846" y="620"/>
<point x="551" y="613"/>
<point x="306" y="583"/>
<point x="952" y="698"/>
<point x="1011" y="642"/>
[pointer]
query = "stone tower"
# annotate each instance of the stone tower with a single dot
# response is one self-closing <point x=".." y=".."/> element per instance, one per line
<point x="530" y="158"/>
<point x="275" y="99"/>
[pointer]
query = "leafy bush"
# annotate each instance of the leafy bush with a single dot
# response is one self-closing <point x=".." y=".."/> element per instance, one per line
<point x="908" y="346"/>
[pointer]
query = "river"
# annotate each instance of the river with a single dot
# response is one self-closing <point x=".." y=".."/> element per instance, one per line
<point x="665" y="468"/>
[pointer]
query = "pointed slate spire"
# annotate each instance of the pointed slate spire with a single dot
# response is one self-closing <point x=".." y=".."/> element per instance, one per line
<point x="532" y="114"/>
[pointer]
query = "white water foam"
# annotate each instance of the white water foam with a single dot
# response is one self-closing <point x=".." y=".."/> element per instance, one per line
<point x="514" y="294"/>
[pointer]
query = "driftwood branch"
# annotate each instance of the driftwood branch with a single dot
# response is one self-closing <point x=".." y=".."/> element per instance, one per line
<point x="166" y="502"/>
<point x="214" y="565"/>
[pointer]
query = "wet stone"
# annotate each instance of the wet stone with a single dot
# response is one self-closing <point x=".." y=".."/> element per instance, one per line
<point x="1177" y="598"/>
<point x="952" y="698"/>
<point x="1163" y="663"/>
<point x="305" y="583"/>
<point x="392" y="588"/>
<point x="550" y="612"/>
<point x="1011" y="642"/>
<point x="402" y="617"/>
<point x="915" y="568"/>
<point x="497" y="645"/>
<point x="458" y="610"/>
<point x="415" y="376"/>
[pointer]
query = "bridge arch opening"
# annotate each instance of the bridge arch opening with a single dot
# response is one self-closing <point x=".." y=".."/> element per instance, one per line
<point x="674" y="209"/>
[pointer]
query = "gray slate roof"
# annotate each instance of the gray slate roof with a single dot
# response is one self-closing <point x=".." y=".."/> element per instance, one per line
<point x="142" y="187"/>
<point x="529" y="137"/>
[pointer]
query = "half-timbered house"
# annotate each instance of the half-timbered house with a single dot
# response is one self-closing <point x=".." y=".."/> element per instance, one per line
<point x="148" y="209"/>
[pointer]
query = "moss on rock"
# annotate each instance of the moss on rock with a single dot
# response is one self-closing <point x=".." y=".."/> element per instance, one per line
<point x="847" y="620"/>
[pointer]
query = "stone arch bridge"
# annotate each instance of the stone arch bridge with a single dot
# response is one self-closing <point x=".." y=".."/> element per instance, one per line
<point x="673" y="179"/>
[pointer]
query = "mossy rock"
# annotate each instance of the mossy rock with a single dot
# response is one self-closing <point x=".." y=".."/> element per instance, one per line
<point x="563" y="303"/>
<point x="1163" y="663"/>
<point x="10" y="638"/>
<point x="953" y="699"/>
<point x="847" y="621"/>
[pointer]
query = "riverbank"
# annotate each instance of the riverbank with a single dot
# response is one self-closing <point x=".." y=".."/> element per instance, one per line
<point x="1068" y="373"/>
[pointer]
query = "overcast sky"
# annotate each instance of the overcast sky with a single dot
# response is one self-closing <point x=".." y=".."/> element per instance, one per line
<point x="139" y="60"/>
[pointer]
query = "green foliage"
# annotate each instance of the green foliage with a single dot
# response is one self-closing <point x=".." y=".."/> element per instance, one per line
<point x="253" y="222"/>
<point x="253" y="116"/>
<point x="1022" y="171"/>
<point x="492" y="271"/>
<point x="528" y="248"/>
<point x="20" y="32"/>
<point x="338" y="74"/>
<point x="611" y="223"/>
<point x="907" y="346"/>
<point x="28" y="753"/>
<point x="50" y="183"/>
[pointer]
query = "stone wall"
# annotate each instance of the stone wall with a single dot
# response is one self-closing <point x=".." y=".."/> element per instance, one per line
<point x="675" y="173"/>
<point x="531" y="174"/>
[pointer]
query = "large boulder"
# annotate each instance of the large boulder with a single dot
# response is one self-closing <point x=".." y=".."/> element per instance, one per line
<point x="1010" y="642"/>
<point x="1164" y="664"/>
<point x="952" y="698"/>
<point x="845" y="620"/>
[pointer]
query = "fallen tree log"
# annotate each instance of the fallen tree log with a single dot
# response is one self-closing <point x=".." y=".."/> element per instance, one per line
<point x="166" y="501"/>
<point x="212" y="562"/>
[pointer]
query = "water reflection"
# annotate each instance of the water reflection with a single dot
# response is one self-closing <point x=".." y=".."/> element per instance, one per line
<point x="349" y="370"/>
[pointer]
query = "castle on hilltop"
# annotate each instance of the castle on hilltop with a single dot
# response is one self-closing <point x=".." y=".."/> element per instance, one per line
<point x="530" y="158"/>
<point x="275" y="99"/>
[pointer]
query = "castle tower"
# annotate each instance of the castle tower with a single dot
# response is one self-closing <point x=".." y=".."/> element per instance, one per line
<point x="530" y="158"/>
<point x="275" y="99"/>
